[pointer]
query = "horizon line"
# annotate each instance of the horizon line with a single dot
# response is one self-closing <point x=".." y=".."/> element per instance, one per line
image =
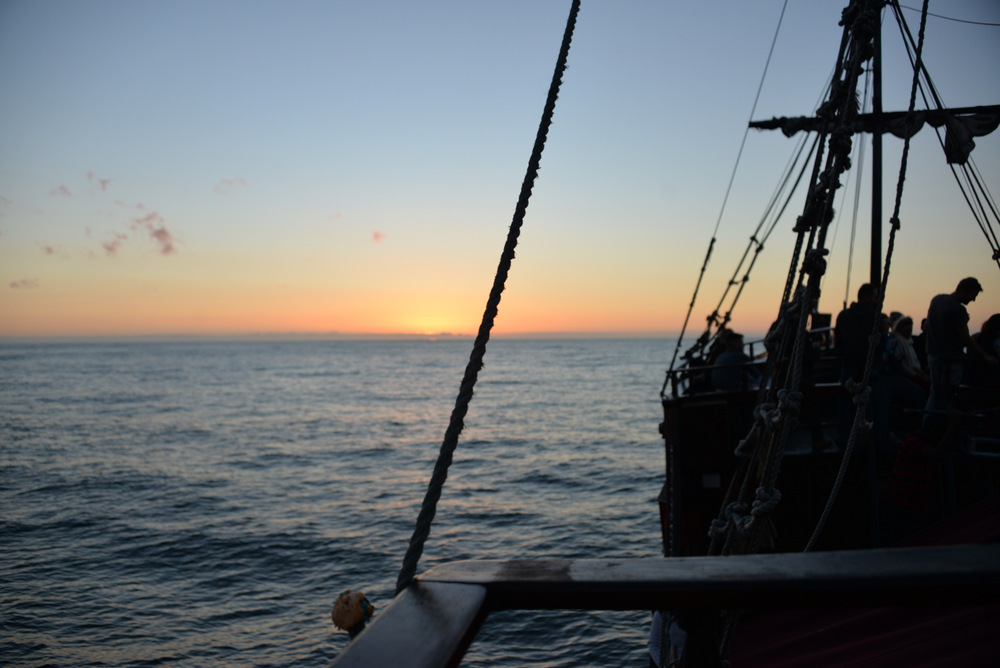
<point x="318" y="336"/>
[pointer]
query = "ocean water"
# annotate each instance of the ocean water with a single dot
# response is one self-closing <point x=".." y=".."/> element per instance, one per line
<point x="202" y="504"/>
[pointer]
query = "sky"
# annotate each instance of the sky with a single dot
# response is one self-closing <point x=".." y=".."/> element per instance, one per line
<point x="246" y="167"/>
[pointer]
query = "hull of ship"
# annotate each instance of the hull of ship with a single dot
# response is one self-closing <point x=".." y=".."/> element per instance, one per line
<point x="961" y="495"/>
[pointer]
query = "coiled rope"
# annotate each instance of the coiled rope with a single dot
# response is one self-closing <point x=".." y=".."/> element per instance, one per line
<point x="429" y="508"/>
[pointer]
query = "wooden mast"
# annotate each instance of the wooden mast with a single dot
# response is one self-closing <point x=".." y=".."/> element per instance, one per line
<point x="876" y="231"/>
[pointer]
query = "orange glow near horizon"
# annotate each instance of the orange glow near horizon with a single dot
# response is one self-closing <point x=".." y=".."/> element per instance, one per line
<point x="377" y="201"/>
<point x="138" y="310"/>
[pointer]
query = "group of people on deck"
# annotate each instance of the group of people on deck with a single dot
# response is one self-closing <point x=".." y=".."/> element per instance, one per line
<point x="913" y="378"/>
<point x="920" y="373"/>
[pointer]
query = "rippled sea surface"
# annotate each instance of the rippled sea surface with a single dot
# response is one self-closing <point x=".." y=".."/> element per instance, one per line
<point x="202" y="504"/>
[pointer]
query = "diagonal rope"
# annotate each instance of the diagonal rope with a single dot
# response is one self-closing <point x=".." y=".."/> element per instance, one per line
<point x="429" y="508"/>
<point x="725" y="200"/>
<point x="970" y="184"/>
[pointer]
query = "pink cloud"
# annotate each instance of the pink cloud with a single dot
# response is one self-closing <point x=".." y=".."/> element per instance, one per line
<point x="102" y="183"/>
<point x="111" y="247"/>
<point x="48" y="250"/>
<point x="147" y="221"/>
<point x="153" y="225"/>
<point x="163" y="236"/>
<point x="225" y="186"/>
<point x="24" y="284"/>
<point x="61" y="191"/>
<point x="377" y="236"/>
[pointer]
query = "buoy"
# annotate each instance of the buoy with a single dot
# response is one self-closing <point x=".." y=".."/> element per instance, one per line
<point x="351" y="611"/>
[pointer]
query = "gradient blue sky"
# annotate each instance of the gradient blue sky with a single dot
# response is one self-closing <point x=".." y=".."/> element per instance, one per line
<point x="221" y="167"/>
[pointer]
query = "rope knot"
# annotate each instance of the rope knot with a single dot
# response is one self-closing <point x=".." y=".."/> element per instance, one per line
<point x="840" y="143"/>
<point x="790" y="402"/>
<point x="767" y="413"/>
<point x="814" y="262"/>
<point x="733" y="515"/>
<point x="766" y="501"/>
<point x="861" y="393"/>
<point x="717" y="529"/>
<point x="745" y="447"/>
<point x="737" y="514"/>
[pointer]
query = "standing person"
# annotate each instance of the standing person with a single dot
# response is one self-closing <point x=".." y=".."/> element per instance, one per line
<point x="906" y="381"/>
<point x="902" y="356"/>
<point x="920" y="345"/>
<point x="947" y="338"/>
<point x="850" y="344"/>
<point x="850" y="335"/>
<point x="979" y="372"/>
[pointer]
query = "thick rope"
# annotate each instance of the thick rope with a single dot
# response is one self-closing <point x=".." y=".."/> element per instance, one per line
<point x="429" y="508"/>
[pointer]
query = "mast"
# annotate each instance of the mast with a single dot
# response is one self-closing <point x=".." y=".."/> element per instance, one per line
<point x="960" y="124"/>
<point x="876" y="231"/>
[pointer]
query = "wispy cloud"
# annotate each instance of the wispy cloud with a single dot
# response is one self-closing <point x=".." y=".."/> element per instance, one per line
<point x="24" y="284"/>
<point x="153" y="225"/>
<point x="226" y="186"/>
<point x="377" y="236"/>
<point x="143" y="221"/>
<point x="111" y="247"/>
<point x="101" y="183"/>
<point x="166" y="240"/>
<point x="127" y="205"/>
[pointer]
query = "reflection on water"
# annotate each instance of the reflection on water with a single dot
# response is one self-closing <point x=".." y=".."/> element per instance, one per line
<point x="204" y="503"/>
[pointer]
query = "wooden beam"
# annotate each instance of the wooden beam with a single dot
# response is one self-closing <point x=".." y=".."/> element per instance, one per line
<point x="862" y="578"/>
<point x="433" y="621"/>
<point x="871" y="122"/>
<point x="428" y="625"/>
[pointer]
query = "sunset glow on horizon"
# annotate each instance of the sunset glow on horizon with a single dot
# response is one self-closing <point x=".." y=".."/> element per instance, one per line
<point x="188" y="168"/>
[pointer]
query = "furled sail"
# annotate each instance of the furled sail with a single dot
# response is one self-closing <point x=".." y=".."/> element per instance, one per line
<point x="961" y="125"/>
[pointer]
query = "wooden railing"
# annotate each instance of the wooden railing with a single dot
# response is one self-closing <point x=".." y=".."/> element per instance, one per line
<point x="433" y="621"/>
